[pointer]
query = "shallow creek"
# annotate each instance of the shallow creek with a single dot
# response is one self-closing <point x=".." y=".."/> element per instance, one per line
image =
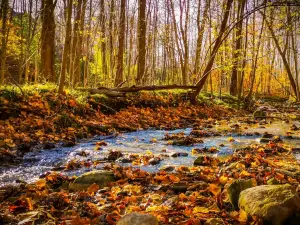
<point x="142" y="142"/>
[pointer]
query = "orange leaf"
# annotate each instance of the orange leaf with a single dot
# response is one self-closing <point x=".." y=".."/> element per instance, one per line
<point x="213" y="188"/>
<point x="93" y="188"/>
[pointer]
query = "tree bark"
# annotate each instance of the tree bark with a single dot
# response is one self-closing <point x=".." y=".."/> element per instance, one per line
<point x="4" y="11"/>
<point x="201" y="26"/>
<point x="119" y="73"/>
<point x="48" y="37"/>
<point x="238" y="49"/>
<point x="141" y="42"/>
<point x="216" y="47"/>
<point x="66" y="47"/>
<point x="284" y="59"/>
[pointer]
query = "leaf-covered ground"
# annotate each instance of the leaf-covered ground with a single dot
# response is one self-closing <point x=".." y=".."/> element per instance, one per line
<point x="187" y="195"/>
<point x="41" y="119"/>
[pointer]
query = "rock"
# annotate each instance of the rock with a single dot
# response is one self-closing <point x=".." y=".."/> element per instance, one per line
<point x="203" y="160"/>
<point x="259" y="114"/>
<point x="124" y="160"/>
<point x="264" y="140"/>
<point x="114" y="155"/>
<point x="24" y="148"/>
<point x="68" y="144"/>
<point x="100" y="177"/>
<point x="274" y="204"/>
<point x="48" y="145"/>
<point x="154" y="161"/>
<point x="167" y="168"/>
<point x="214" y="221"/>
<point x="179" y="154"/>
<point x="138" y="219"/>
<point x="235" y="188"/>
<point x="267" y="135"/>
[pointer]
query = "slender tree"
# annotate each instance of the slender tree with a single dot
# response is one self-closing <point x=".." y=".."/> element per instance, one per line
<point x="66" y="47"/>
<point x="141" y="42"/>
<point x="120" y="66"/>
<point x="48" y="40"/>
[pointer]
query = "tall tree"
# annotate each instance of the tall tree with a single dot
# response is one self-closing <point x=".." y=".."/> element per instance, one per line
<point x="216" y="47"/>
<point x="4" y="12"/>
<point x="201" y="27"/>
<point x="141" y="42"/>
<point x="120" y="66"/>
<point x="238" y="48"/>
<point x="66" y="47"/>
<point x="47" y="39"/>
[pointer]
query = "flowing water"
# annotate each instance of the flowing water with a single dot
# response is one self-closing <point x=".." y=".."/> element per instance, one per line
<point x="139" y="142"/>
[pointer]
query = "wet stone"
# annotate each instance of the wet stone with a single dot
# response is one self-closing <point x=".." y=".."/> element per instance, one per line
<point x="154" y="161"/>
<point x="138" y="219"/>
<point x="274" y="204"/>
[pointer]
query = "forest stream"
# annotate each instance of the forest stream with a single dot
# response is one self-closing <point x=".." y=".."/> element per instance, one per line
<point x="143" y="143"/>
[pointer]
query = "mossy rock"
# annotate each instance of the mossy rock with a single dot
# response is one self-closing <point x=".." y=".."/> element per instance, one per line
<point x="138" y="219"/>
<point x="235" y="188"/>
<point x="259" y="114"/>
<point x="100" y="177"/>
<point x="274" y="204"/>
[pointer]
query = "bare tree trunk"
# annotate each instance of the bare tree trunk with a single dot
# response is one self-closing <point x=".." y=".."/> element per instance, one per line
<point x="238" y="48"/>
<point x="66" y="47"/>
<point x="216" y="47"/>
<point x="201" y="26"/>
<point x="284" y="59"/>
<point x="4" y="11"/>
<point x="111" y="37"/>
<point x="119" y="73"/>
<point x="103" y="40"/>
<point x="142" y="23"/>
<point x="48" y="37"/>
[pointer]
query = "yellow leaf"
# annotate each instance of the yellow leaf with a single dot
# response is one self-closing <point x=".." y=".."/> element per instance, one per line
<point x="244" y="173"/>
<point x="40" y="183"/>
<point x="223" y="179"/>
<point x="157" y="208"/>
<point x="199" y="209"/>
<point x="243" y="216"/>
<point x="240" y="166"/>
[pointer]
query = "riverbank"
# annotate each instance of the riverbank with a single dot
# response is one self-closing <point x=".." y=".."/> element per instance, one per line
<point x="39" y="118"/>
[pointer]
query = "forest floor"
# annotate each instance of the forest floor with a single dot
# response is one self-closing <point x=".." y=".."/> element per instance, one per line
<point x="206" y="192"/>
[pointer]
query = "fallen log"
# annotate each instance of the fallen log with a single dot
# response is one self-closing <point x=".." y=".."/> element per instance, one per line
<point x="121" y="91"/>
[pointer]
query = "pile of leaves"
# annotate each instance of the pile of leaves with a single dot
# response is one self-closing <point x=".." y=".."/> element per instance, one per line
<point x="189" y="195"/>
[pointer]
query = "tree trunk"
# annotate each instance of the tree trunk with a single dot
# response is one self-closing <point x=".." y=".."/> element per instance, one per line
<point x="201" y="27"/>
<point x="4" y="11"/>
<point x="284" y="59"/>
<point x="103" y="40"/>
<point x="216" y="47"/>
<point x="238" y="49"/>
<point x="48" y="38"/>
<point x="66" y="47"/>
<point x="142" y="23"/>
<point x="119" y="73"/>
